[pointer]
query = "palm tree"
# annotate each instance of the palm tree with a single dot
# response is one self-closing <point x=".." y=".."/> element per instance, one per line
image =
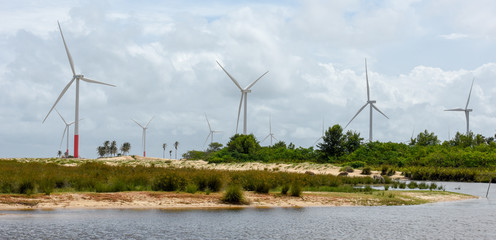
<point x="170" y="154"/>
<point x="176" y="144"/>
<point x="101" y="151"/>
<point x="113" y="148"/>
<point x="164" y="146"/>
<point x="59" y="153"/>
<point x="125" y="148"/>
<point x="106" y="146"/>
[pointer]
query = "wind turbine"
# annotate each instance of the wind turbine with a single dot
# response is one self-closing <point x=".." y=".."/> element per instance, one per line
<point x="466" y="109"/>
<point x="67" y="125"/>
<point x="271" y="135"/>
<point x="244" y="95"/>
<point x="143" y="136"/>
<point x="369" y="102"/>
<point x="75" y="77"/>
<point x="211" y="133"/>
<point x="321" y="136"/>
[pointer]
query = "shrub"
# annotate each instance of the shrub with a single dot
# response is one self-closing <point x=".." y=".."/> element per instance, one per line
<point x="412" y="185"/>
<point x="26" y="187"/>
<point x="191" y="188"/>
<point x="366" y="171"/>
<point x="295" y="190"/>
<point x="233" y="195"/>
<point x="169" y="182"/>
<point x="262" y="187"/>
<point x="284" y="189"/>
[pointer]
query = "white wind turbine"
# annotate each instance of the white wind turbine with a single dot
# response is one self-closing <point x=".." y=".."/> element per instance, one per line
<point x="244" y="95"/>
<point x="321" y="136"/>
<point x="466" y="109"/>
<point x="211" y="133"/>
<point x="369" y="102"/>
<point x="143" y="136"/>
<point x="271" y="135"/>
<point x="66" y="129"/>
<point x="75" y="77"/>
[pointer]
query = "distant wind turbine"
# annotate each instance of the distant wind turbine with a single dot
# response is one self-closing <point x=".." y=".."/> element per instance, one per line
<point x="271" y="135"/>
<point x="369" y="102"/>
<point x="321" y="136"/>
<point x="244" y="95"/>
<point x="66" y="129"/>
<point x="75" y="77"/>
<point x="211" y="133"/>
<point x="143" y="136"/>
<point x="466" y="109"/>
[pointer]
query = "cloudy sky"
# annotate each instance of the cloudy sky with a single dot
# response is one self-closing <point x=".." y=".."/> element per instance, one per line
<point x="161" y="55"/>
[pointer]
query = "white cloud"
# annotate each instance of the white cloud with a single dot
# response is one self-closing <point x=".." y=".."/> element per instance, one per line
<point x="162" y="59"/>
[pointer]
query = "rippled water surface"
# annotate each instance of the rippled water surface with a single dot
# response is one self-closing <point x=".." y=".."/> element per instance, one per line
<point x="472" y="219"/>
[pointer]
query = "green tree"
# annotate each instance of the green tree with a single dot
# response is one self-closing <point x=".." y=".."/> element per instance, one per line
<point x="125" y="148"/>
<point x="101" y="151"/>
<point x="176" y="145"/>
<point x="113" y="148"/>
<point x="214" y="147"/>
<point x="246" y="144"/>
<point x="352" y="141"/>
<point x="332" y="145"/>
<point x="425" y="139"/>
<point x="279" y="144"/>
<point x="106" y="146"/>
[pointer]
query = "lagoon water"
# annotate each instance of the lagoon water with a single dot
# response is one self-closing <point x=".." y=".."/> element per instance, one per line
<point x="471" y="219"/>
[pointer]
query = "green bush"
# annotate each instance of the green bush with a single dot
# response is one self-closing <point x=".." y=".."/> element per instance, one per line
<point x="366" y="171"/>
<point x="233" y="195"/>
<point x="295" y="190"/>
<point x="284" y="189"/>
<point x="191" y="188"/>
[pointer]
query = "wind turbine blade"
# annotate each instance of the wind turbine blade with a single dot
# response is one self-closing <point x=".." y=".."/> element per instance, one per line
<point x="470" y="93"/>
<point x="379" y="111"/>
<point x="275" y="137"/>
<point x="208" y="122"/>
<point x="63" y="135"/>
<point x="367" y="78"/>
<point x="206" y="139"/>
<point x="61" y="116"/>
<point x="253" y="83"/>
<point x="60" y="96"/>
<point x="456" y="109"/>
<point x="67" y="50"/>
<point x="356" y="114"/>
<point x="149" y="122"/>
<point x="318" y="139"/>
<point x="138" y="124"/>
<point x="97" y="82"/>
<point x="231" y="77"/>
<point x="266" y="138"/>
<point x="239" y="111"/>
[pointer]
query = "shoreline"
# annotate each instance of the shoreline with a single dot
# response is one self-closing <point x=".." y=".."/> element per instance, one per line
<point x="185" y="201"/>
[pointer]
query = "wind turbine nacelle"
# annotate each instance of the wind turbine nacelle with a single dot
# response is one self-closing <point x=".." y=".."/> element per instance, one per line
<point x="247" y="91"/>
<point x="372" y="101"/>
<point x="468" y="110"/>
<point x="79" y="76"/>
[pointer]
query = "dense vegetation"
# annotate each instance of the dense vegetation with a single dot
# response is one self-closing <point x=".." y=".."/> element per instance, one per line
<point x="36" y="177"/>
<point x="463" y="158"/>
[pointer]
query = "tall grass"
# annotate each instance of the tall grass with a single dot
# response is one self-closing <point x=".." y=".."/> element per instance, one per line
<point x="35" y="177"/>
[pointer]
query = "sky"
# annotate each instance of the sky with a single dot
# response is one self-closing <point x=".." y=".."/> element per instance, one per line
<point x="422" y="57"/>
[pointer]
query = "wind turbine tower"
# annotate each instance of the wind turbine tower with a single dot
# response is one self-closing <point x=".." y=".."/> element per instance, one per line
<point x="143" y="136"/>
<point x="75" y="77"/>
<point x="211" y="133"/>
<point x="369" y="102"/>
<point x="244" y="95"/>
<point x="466" y="109"/>
<point x="66" y="129"/>
<point x="271" y="135"/>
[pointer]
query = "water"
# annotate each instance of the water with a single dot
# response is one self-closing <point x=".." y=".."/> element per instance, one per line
<point x="471" y="219"/>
